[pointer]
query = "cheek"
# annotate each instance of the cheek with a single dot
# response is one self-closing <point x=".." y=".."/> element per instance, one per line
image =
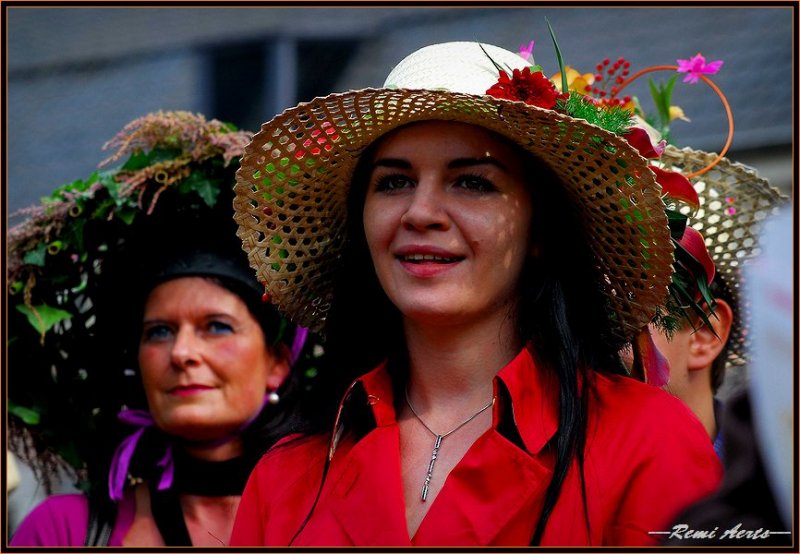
<point x="377" y="226"/>
<point x="504" y="235"/>
<point x="153" y="361"/>
<point x="246" y="365"/>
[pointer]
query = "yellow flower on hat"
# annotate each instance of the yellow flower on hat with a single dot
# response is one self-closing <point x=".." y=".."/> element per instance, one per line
<point x="575" y="80"/>
<point x="675" y="112"/>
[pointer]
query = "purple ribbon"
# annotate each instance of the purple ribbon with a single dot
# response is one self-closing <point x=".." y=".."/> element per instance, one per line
<point x="121" y="461"/>
<point x="300" y="335"/>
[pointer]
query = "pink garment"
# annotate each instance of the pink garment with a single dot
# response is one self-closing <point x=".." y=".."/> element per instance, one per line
<point x="62" y="520"/>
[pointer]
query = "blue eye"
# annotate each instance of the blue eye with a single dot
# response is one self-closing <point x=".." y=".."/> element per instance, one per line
<point x="219" y="328"/>
<point x="156" y="332"/>
<point x="475" y="183"/>
<point x="389" y="183"/>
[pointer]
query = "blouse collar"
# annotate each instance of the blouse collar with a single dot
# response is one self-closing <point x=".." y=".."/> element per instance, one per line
<point x="531" y="390"/>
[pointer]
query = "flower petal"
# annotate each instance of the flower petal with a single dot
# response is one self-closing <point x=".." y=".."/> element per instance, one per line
<point x="694" y="243"/>
<point x="640" y="139"/>
<point x="648" y="361"/>
<point x="676" y="186"/>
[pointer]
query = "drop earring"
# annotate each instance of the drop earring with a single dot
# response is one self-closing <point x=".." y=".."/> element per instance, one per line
<point x="273" y="398"/>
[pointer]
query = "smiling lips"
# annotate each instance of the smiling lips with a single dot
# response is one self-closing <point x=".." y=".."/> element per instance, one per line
<point x="426" y="261"/>
<point x="189" y="390"/>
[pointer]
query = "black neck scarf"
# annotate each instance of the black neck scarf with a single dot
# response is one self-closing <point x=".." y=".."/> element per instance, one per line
<point x="197" y="477"/>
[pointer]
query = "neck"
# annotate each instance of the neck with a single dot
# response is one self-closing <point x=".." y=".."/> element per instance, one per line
<point x="697" y="393"/>
<point x="211" y="452"/>
<point x="703" y="407"/>
<point x="454" y="367"/>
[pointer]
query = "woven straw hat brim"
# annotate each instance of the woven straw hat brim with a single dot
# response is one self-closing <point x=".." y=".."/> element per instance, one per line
<point x="735" y="201"/>
<point x="295" y="175"/>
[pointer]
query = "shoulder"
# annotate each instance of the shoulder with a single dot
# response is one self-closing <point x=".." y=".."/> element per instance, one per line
<point x="652" y="457"/>
<point x="620" y="397"/>
<point x="654" y="422"/>
<point x="280" y="491"/>
<point x="290" y="467"/>
<point x="294" y="454"/>
<point x="61" y="520"/>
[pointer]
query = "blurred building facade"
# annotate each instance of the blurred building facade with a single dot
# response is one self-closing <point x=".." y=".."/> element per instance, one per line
<point x="76" y="76"/>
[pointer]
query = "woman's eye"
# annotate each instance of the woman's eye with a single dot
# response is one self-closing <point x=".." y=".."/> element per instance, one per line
<point x="475" y="183"/>
<point x="389" y="183"/>
<point x="220" y="327"/>
<point x="156" y="332"/>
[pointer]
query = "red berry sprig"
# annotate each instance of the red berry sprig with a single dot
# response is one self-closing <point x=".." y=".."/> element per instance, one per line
<point x="608" y="73"/>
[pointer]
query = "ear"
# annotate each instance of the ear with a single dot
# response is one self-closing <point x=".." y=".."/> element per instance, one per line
<point x="279" y="370"/>
<point x="704" y="346"/>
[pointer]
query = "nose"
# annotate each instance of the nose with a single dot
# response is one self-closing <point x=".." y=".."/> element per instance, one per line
<point x="426" y="208"/>
<point x="185" y="350"/>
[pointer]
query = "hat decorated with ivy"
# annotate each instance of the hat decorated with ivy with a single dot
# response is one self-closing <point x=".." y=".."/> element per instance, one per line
<point x="295" y="176"/>
<point x="158" y="208"/>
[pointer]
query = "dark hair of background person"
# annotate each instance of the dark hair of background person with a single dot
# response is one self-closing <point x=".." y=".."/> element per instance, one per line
<point x="560" y="312"/>
<point x="722" y="291"/>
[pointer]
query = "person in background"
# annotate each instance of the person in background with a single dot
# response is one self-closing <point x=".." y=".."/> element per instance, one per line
<point x="753" y="506"/>
<point x="189" y="370"/>
<point x="734" y="203"/>
<point x="476" y="255"/>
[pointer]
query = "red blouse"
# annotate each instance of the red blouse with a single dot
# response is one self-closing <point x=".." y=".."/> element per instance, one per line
<point x="647" y="458"/>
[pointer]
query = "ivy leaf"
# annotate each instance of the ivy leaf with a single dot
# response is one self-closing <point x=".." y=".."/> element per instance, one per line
<point x="79" y="185"/>
<point x="207" y="189"/>
<point x="74" y="234"/>
<point x="49" y="316"/>
<point x="27" y="415"/>
<point x="139" y="159"/>
<point x="102" y="209"/>
<point x="127" y="214"/>
<point x="36" y="256"/>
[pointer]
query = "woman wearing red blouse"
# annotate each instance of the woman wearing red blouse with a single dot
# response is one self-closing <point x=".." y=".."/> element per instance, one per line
<point x="475" y="262"/>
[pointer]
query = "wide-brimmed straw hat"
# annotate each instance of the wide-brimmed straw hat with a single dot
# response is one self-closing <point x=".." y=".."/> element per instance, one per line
<point x="295" y="176"/>
<point x="735" y="202"/>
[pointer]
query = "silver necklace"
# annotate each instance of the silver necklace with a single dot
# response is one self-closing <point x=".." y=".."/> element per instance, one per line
<point x="439" y="438"/>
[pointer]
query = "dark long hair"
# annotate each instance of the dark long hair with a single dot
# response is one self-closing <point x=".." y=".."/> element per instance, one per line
<point x="562" y="313"/>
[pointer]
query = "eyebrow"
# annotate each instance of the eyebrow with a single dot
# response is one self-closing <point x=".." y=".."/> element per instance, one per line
<point x="458" y="163"/>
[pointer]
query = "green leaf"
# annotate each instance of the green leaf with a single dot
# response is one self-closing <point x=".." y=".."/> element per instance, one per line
<point x="139" y="159"/>
<point x="677" y="223"/>
<point x="27" y="415"/>
<point x="564" y="84"/>
<point x="102" y="209"/>
<point x="74" y="234"/>
<point x="207" y="189"/>
<point x="127" y="214"/>
<point x="49" y="316"/>
<point x="36" y="256"/>
<point x="494" y="63"/>
<point x="79" y="185"/>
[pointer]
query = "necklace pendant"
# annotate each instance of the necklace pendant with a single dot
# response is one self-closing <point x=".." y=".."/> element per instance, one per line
<point x="434" y="455"/>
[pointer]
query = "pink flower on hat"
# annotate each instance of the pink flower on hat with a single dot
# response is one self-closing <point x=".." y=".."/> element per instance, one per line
<point x="696" y="66"/>
<point x="526" y="51"/>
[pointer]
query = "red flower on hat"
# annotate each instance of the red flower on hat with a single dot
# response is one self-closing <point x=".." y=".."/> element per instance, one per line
<point x="532" y="88"/>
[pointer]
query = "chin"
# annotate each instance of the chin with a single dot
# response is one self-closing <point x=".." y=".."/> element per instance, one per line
<point x="431" y="314"/>
<point x="197" y="427"/>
